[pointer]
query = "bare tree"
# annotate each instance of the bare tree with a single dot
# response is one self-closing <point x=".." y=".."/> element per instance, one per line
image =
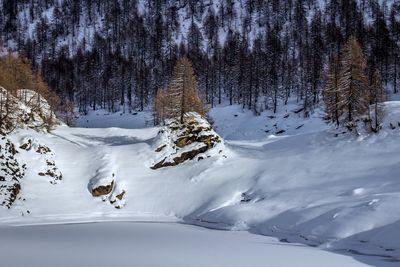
<point x="181" y="95"/>
<point x="377" y="97"/>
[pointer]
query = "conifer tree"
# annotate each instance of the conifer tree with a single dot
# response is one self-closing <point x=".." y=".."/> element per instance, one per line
<point x="353" y="85"/>
<point x="181" y="95"/>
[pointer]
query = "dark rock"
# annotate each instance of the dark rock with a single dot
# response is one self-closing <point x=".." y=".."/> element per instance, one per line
<point x="103" y="190"/>
<point x="159" y="149"/>
<point x="184" y="141"/>
<point x="180" y="159"/>
<point x="26" y="146"/>
<point x="194" y="131"/>
<point x="298" y="110"/>
<point x="42" y="149"/>
<point x="245" y="198"/>
<point x="121" y="195"/>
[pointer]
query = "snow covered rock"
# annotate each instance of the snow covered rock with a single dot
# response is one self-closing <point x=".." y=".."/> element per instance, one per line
<point x="50" y="168"/>
<point x="38" y="105"/>
<point x="101" y="187"/>
<point x="11" y="173"/>
<point x="104" y="184"/>
<point x="117" y="198"/>
<point x="27" y="109"/>
<point x="180" y="142"/>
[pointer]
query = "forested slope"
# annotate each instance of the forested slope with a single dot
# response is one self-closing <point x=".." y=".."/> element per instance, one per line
<point x="104" y="54"/>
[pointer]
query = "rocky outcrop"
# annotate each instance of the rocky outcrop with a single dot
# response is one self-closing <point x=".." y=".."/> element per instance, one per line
<point x="26" y="109"/>
<point x="49" y="169"/>
<point x="102" y="190"/>
<point x="11" y="173"/>
<point x="117" y="199"/>
<point x="180" y="142"/>
<point x="104" y="183"/>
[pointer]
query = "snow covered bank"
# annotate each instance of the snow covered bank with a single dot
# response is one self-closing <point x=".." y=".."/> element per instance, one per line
<point x="152" y="244"/>
<point x="304" y="186"/>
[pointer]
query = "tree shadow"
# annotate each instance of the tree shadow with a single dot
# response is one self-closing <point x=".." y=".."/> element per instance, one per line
<point x="119" y="140"/>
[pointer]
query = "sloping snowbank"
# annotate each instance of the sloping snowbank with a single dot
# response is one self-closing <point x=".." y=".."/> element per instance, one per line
<point x="304" y="186"/>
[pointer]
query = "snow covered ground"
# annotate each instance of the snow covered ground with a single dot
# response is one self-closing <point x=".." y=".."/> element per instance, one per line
<point x="153" y="245"/>
<point x="303" y="185"/>
<point x="105" y="119"/>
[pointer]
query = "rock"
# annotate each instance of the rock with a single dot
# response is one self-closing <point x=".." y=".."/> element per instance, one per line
<point x="103" y="190"/>
<point x="121" y="195"/>
<point x="159" y="149"/>
<point x="298" y="110"/>
<point x="14" y="191"/>
<point x="27" y="145"/>
<point x="42" y="149"/>
<point x="11" y="173"/>
<point x="182" y="158"/>
<point x="185" y="141"/>
<point x="30" y="110"/>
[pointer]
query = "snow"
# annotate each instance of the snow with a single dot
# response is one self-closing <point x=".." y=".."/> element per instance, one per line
<point x="152" y="244"/>
<point x="105" y="119"/>
<point x="305" y="185"/>
<point x="234" y="123"/>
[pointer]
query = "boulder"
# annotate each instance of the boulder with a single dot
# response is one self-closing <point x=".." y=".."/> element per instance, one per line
<point x="102" y="190"/>
<point x="121" y="195"/>
<point x="180" y="142"/>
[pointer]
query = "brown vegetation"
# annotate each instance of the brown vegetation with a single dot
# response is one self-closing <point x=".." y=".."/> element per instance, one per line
<point x="16" y="73"/>
<point x="181" y="95"/>
<point x="347" y="93"/>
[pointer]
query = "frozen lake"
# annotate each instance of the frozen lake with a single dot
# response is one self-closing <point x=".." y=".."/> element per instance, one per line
<point x="152" y="244"/>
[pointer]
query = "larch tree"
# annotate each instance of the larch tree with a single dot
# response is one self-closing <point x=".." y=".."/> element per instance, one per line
<point x="180" y="96"/>
<point x="331" y="91"/>
<point x="353" y="84"/>
<point x="376" y="98"/>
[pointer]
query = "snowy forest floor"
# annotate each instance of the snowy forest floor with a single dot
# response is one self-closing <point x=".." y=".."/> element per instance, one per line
<point x="284" y="176"/>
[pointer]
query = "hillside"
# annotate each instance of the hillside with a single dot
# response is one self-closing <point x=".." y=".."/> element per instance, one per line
<point x="303" y="186"/>
<point x="116" y="55"/>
